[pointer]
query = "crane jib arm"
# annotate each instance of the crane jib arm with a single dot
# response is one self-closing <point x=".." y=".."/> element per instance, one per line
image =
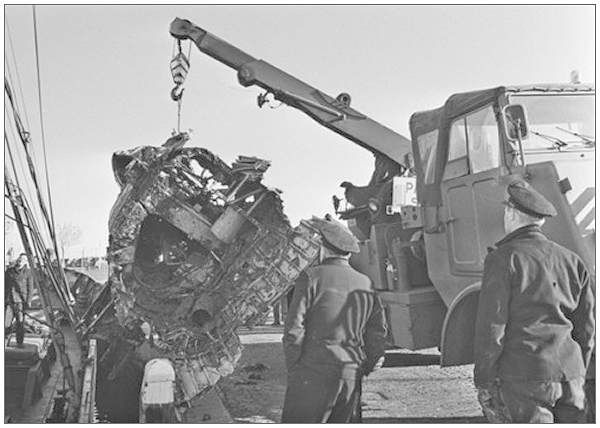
<point x="333" y="113"/>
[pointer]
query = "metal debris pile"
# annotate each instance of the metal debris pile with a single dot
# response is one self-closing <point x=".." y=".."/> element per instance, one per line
<point x="198" y="248"/>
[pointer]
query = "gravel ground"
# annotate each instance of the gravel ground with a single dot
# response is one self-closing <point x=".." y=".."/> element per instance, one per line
<point x="397" y="393"/>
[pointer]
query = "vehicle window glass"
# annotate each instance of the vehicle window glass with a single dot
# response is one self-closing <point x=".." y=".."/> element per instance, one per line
<point x="483" y="141"/>
<point x="553" y="118"/>
<point x="427" y="144"/>
<point x="457" y="165"/>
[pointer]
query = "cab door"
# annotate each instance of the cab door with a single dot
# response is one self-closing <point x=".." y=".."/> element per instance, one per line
<point x="472" y="197"/>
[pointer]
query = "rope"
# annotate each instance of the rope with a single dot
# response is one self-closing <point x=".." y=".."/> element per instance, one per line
<point x="12" y="218"/>
<point x="35" y="237"/>
<point x="12" y="160"/>
<point x="26" y="190"/>
<point x="179" y="115"/>
<point x="20" y="85"/>
<point x="37" y="66"/>
<point x="22" y="106"/>
<point x="16" y="187"/>
<point x="24" y="136"/>
<point x="61" y="289"/>
<point x="59" y="342"/>
<point x="20" y="100"/>
<point x="20" y="161"/>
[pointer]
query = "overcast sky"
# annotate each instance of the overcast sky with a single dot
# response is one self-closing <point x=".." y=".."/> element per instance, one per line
<point x="106" y="83"/>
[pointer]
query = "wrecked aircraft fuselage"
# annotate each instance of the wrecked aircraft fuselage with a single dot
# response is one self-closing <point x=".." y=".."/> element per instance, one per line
<point x="197" y="249"/>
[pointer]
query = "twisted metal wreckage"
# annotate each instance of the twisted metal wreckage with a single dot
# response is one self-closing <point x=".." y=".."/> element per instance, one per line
<point x="197" y="248"/>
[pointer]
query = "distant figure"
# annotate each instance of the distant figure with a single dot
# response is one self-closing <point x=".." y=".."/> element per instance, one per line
<point x="50" y="255"/>
<point x="18" y="292"/>
<point x="9" y="257"/>
<point x="97" y="262"/>
<point x="535" y="323"/>
<point x="334" y="334"/>
<point x="51" y="258"/>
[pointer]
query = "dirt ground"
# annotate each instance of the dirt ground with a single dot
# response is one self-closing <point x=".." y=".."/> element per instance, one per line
<point x="411" y="387"/>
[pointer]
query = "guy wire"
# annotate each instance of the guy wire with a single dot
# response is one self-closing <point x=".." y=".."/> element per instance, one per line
<point x="37" y="63"/>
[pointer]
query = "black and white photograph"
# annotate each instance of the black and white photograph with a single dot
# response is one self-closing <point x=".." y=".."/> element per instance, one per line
<point x="299" y="213"/>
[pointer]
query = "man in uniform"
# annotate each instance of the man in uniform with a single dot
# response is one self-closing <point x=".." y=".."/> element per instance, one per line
<point x="535" y="323"/>
<point x="334" y="333"/>
<point x="18" y="291"/>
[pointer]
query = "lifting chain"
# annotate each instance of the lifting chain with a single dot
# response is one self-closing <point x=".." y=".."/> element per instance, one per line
<point x="180" y="65"/>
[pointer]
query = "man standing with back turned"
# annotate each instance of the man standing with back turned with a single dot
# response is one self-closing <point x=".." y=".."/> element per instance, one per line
<point x="535" y="323"/>
<point x="334" y="333"/>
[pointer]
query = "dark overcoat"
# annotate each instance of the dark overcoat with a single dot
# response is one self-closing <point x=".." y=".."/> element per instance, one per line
<point x="335" y="323"/>
<point x="18" y="285"/>
<point x="535" y="318"/>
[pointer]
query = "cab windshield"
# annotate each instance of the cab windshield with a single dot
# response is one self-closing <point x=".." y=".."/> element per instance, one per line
<point x="558" y="121"/>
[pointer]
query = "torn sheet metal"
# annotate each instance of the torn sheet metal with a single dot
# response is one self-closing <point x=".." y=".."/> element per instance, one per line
<point x="198" y="248"/>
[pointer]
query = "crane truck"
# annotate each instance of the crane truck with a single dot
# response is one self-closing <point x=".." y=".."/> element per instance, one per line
<point x="433" y="207"/>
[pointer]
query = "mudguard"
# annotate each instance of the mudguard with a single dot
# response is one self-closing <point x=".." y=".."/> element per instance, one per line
<point x="458" y="330"/>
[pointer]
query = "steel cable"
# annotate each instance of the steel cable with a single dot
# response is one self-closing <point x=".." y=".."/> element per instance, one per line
<point x="17" y="74"/>
<point x="27" y="187"/>
<point x="24" y="136"/>
<point x="18" y="156"/>
<point x="22" y="107"/>
<point x="43" y="136"/>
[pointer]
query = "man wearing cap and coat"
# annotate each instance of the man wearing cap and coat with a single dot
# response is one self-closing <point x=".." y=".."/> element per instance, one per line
<point x="334" y="333"/>
<point x="18" y="292"/>
<point x="535" y="322"/>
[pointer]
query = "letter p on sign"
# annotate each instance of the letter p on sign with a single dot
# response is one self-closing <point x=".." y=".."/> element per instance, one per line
<point x="404" y="192"/>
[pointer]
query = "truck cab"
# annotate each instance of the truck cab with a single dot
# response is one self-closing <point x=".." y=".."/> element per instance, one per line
<point x="466" y="152"/>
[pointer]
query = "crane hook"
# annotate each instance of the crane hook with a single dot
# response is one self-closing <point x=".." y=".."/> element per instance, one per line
<point x="177" y="93"/>
<point x="180" y="66"/>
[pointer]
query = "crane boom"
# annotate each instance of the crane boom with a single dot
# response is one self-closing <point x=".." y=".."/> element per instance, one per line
<point x="333" y="113"/>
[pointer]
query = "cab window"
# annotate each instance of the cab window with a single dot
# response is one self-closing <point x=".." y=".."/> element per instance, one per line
<point x="458" y="164"/>
<point x="483" y="140"/>
<point x="474" y="144"/>
<point x="427" y="144"/>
